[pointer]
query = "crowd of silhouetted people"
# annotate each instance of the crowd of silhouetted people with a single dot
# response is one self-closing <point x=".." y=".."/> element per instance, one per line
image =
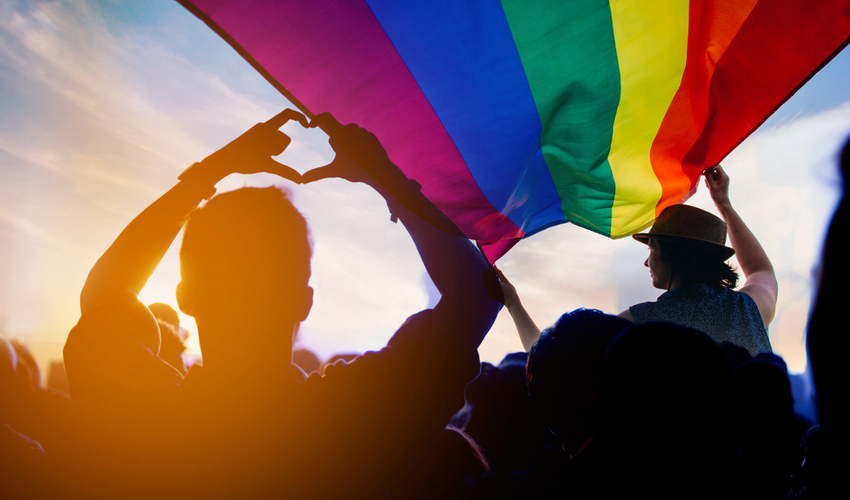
<point x="599" y="406"/>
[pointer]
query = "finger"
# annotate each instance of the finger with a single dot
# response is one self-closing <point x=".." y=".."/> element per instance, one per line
<point x="319" y="174"/>
<point x="284" y="116"/>
<point x="498" y="272"/>
<point x="301" y="119"/>
<point x="326" y="122"/>
<point x="501" y="276"/>
<point x="712" y="175"/>
<point x="279" y="143"/>
<point x="281" y="170"/>
<point x="721" y="175"/>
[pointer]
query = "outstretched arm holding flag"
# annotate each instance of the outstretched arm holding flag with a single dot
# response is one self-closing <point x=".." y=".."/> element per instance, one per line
<point x="527" y="329"/>
<point x="760" y="277"/>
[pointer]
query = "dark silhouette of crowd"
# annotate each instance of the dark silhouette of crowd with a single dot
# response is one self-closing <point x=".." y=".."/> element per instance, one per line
<point x="601" y="406"/>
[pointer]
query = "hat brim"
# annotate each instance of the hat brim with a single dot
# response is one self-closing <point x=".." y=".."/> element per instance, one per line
<point x="721" y="250"/>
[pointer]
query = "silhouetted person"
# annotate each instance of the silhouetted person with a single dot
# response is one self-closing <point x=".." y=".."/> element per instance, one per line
<point x="346" y="357"/>
<point x="40" y="413"/>
<point x="826" y="445"/>
<point x="769" y="431"/>
<point x="306" y="360"/>
<point x="687" y="258"/>
<point x="563" y="370"/>
<point x="447" y="470"/>
<point x="172" y="336"/>
<point x="562" y="373"/>
<point x="166" y="313"/>
<point x="248" y="424"/>
<point x="22" y="458"/>
<point x="498" y="415"/>
<point x="662" y="418"/>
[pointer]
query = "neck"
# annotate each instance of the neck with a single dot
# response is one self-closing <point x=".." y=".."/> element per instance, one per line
<point x="228" y="347"/>
<point x="673" y="284"/>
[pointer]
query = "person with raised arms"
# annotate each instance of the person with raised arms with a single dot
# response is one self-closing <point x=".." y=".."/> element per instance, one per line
<point x="687" y="259"/>
<point x="249" y="423"/>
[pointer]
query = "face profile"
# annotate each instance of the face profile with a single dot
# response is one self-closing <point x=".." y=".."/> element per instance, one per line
<point x="658" y="270"/>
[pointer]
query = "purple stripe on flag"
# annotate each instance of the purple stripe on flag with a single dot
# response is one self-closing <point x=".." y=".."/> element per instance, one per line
<point x="333" y="56"/>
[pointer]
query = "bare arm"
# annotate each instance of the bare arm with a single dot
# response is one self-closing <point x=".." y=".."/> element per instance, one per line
<point x="454" y="264"/>
<point x="760" y="279"/>
<point x="525" y="326"/>
<point x="131" y="259"/>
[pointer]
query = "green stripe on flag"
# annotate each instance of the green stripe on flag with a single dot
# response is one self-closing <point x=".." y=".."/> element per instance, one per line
<point x="570" y="60"/>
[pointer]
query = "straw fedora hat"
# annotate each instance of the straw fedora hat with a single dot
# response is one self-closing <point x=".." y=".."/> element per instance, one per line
<point x="686" y="224"/>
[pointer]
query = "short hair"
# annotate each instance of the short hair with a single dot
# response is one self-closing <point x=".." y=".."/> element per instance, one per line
<point x="253" y="234"/>
<point x="659" y="375"/>
<point x="692" y="263"/>
<point x="563" y="366"/>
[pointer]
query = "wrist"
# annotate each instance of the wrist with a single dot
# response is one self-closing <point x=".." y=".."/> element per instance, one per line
<point x="512" y="303"/>
<point x="201" y="177"/>
<point x="399" y="196"/>
<point x="724" y="207"/>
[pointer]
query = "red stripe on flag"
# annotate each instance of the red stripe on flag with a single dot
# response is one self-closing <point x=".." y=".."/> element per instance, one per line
<point x="713" y="25"/>
<point x="779" y="47"/>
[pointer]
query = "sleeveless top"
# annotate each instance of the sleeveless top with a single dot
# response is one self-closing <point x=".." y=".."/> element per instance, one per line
<point x="725" y="315"/>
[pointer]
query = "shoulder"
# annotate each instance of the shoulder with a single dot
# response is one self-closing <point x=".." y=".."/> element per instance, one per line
<point x="120" y="321"/>
<point x="763" y="288"/>
<point x="642" y="312"/>
<point x="112" y="352"/>
<point x="415" y="360"/>
<point x="746" y="301"/>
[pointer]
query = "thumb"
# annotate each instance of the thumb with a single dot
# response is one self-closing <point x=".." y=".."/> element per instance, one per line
<point x="318" y="174"/>
<point x="278" y="143"/>
<point x="281" y="170"/>
<point x="500" y="274"/>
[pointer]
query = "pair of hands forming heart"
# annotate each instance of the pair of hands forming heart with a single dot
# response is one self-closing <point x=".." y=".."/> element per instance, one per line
<point x="355" y="148"/>
<point x="360" y="157"/>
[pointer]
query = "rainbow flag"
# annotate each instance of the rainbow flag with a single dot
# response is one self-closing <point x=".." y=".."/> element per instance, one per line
<point x="518" y="115"/>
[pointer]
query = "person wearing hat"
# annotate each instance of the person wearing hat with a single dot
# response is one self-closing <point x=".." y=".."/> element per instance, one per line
<point x="687" y="258"/>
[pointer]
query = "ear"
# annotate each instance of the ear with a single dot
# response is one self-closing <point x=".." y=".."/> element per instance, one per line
<point x="305" y="303"/>
<point x="185" y="299"/>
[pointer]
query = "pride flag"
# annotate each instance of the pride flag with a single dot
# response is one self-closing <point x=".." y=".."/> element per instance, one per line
<point x="518" y="115"/>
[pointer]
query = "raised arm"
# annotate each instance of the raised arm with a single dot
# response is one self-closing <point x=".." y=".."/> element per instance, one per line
<point x="131" y="259"/>
<point x="454" y="264"/>
<point x="760" y="279"/>
<point x="525" y="326"/>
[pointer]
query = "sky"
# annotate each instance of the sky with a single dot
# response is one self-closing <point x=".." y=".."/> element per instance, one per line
<point x="105" y="102"/>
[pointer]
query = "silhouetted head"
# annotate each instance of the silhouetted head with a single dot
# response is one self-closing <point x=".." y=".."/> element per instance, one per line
<point x="166" y="313"/>
<point x="306" y="360"/>
<point x="452" y="461"/>
<point x="563" y="367"/>
<point x="246" y="253"/>
<point x="665" y="390"/>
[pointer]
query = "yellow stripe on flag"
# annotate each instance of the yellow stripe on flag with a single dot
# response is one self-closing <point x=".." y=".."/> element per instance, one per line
<point x="651" y="37"/>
